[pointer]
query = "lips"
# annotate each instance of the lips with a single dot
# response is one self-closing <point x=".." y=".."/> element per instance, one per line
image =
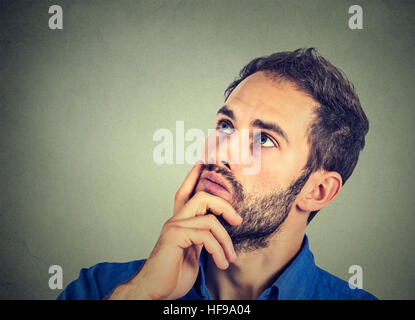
<point x="215" y="184"/>
<point x="215" y="178"/>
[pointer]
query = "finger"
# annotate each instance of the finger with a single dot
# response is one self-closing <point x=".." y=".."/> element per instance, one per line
<point x="211" y="223"/>
<point x="187" y="187"/>
<point x="193" y="236"/>
<point x="202" y="202"/>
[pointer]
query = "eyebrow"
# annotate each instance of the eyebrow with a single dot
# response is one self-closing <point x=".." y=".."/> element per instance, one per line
<point x="272" y="127"/>
<point x="227" y="112"/>
<point x="257" y="123"/>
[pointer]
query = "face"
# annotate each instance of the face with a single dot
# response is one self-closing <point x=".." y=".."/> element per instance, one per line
<point x="282" y="114"/>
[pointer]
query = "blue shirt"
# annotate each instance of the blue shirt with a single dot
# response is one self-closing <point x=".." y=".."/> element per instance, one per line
<point x="301" y="280"/>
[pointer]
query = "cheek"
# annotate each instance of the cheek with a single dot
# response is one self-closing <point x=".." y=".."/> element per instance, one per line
<point x="265" y="181"/>
<point x="275" y="173"/>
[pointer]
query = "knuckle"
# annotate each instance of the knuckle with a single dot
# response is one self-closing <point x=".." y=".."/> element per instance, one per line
<point x="200" y="194"/>
<point x="205" y="233"/>
<point x="169" y="225"/>
<point x="177" y="195"/>
<point x="211" y="219"/>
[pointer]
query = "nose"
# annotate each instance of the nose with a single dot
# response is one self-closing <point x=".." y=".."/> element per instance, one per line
<point x="222" y="149"/>
<point x="236" y="151"/>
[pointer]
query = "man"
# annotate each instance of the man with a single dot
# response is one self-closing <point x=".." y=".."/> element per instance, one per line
<point x="242" y="236"/>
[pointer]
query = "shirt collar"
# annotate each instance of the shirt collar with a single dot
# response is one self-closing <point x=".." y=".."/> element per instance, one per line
<point x="297" y="282"/>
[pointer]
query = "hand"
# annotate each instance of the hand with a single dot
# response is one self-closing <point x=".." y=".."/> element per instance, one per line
<point x="172" y="268"/>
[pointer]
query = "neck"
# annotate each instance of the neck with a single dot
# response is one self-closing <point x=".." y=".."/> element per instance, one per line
<point x="255" y="271"/>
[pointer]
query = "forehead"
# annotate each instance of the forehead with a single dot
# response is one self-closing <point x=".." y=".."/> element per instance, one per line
<point x="260" y="97"/>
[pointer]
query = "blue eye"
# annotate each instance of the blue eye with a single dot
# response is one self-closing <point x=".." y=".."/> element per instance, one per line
<point x="264" y="140"/>
<point x="225" y="127"/>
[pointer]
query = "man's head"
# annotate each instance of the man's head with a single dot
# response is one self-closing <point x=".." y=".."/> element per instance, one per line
<point x="312" y="131"/>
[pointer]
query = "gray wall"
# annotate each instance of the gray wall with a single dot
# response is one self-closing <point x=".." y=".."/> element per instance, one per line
<point x="79" y="107"/>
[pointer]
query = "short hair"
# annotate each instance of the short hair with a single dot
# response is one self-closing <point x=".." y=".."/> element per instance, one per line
<point x="337" y="135"/>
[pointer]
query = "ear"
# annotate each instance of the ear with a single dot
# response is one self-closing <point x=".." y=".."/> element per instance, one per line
<point x="320" y="190"/>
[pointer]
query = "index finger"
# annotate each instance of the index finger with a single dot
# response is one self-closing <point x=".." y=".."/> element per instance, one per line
<point x="202" y="203"/>
<point x="187" y="187"/>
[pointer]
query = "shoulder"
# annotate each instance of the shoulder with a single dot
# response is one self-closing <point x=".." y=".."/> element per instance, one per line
<point x="330" y="287"/>
<point x="98" y="281"/>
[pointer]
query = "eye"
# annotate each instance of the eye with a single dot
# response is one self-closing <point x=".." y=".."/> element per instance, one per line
<point x="265" y="141"/>
<point x="225" y="127"/>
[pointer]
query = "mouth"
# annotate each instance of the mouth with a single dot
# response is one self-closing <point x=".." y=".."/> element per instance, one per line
<point x="213" y="183"/>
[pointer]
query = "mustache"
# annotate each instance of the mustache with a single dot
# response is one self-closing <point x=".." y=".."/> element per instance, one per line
<point x="228" y="175"/>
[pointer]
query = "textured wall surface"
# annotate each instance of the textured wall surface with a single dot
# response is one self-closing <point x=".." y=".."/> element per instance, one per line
<point x="79" y="106"/>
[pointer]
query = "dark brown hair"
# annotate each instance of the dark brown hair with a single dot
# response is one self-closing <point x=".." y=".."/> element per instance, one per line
<point x="337" y="135"/>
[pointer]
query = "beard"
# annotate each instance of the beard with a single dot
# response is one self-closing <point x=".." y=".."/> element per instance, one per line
<point x="262" y="215"/>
